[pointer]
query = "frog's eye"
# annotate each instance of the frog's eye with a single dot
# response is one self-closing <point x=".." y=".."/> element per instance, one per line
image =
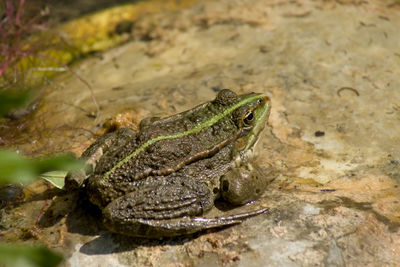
<point x="248" y="117"/>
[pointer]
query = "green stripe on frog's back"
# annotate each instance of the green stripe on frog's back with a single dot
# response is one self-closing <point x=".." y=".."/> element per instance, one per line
<point x="196" y="129"/>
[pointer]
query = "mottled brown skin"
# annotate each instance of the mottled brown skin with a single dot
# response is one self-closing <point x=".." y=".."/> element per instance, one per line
<point x="160" y="191"/>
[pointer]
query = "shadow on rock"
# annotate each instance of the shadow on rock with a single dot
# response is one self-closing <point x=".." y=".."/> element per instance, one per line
<point x="108" y="243"/>
<point x="82" y="217"/>
<point x="85" y="219"/>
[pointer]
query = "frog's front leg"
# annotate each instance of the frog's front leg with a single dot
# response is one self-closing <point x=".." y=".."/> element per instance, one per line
<point x="165" y="211"/>
<point x="245" y="183"/>
<point x="94" y="152"/>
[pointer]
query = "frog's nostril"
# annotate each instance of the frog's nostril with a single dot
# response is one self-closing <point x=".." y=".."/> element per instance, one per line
<point x="225" y="185"/>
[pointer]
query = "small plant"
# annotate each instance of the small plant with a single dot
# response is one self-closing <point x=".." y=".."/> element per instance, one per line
<point x="27" y="45"/>
<point x="23" y="255"/>
<point x="18" y="50"/>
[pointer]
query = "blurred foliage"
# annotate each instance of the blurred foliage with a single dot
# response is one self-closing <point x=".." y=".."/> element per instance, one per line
<point x="28" y="256"/>
<point x="18" y="169"/>
<point x="12" y="99"/>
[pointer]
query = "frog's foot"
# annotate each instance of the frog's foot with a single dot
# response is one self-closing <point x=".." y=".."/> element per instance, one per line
<point x="175" y="227"/>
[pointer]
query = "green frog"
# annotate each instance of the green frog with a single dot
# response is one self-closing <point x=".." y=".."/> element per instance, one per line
<point x="157" y="182"/>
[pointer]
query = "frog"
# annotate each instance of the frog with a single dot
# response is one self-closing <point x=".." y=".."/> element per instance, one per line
<point x="162" y="179"/>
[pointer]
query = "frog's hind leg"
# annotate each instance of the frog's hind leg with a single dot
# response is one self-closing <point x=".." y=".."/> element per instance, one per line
<point x="147" y="207"/>
<point x="165" y="211"/>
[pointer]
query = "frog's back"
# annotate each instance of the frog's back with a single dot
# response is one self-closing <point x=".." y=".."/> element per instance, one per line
<point x="168" y="144"/>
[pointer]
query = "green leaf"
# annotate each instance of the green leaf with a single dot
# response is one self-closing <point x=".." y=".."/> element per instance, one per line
<point x="59" y="162"/>
<point x="28" y="256"/>
<point x="55" y="177"/>
<point x="10" y="100"/>
<point x="15" y="168"/>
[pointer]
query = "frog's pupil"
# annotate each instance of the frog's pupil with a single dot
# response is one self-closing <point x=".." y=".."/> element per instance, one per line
<point x="249" y="116"/>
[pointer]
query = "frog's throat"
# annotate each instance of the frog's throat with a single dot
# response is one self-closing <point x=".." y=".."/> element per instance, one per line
<point x="196" y="129"/>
